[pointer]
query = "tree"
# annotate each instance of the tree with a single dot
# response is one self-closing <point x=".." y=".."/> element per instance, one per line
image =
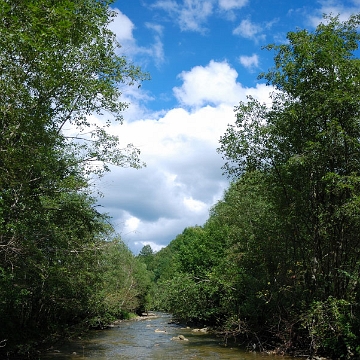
<point x="306" y="144"/>
<point x="146" y="255"/>
<point x="58" y="67"/>
<point x="124" y="283"/>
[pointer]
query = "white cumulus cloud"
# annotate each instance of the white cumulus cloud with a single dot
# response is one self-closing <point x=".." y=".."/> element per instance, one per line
<point x="232" y="4"/>
<point x="213" y="84"/>
<point x="123" y="28"/>
<point x="249" y="30"/>
<point x="194" y="205"/>
<point x="191" y="15"/>
<point x="334" y="7"/>
<point x="183" y="177"/>
<point x="250" y="62"/>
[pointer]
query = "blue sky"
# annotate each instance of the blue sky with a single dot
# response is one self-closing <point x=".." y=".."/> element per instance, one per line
<point x="203" y="57"/>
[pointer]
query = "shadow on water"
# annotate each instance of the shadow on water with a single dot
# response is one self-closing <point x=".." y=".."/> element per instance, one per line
<point x="150" y="338"/>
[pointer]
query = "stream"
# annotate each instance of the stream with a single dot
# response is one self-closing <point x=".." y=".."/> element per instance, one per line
<point x="150" y="338"/>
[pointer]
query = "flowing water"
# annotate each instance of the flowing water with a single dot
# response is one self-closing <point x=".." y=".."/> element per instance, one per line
<point x="150" y="338"/>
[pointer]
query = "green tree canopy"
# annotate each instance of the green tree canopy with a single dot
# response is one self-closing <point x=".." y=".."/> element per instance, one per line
<point x="277" y="263"/>
<point x="306" y="146"/>
<point x="59" y="68"/>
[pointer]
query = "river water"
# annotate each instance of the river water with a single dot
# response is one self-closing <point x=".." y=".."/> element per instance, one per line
<point x="150" y="339"/>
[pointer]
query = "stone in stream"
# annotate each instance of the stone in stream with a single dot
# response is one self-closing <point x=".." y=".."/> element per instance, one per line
<point x="160" y="331"/>
<point x="180" y="337"/>
<point x="203" y="330"/>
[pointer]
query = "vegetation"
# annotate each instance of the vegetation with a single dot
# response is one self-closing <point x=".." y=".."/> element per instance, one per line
<point x="277" y="263"/>
<point x="61" y="265"/>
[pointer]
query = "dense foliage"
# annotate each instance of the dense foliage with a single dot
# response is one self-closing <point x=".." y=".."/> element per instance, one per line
<point x="277" y="263"/>
<point x="58" y="66"/>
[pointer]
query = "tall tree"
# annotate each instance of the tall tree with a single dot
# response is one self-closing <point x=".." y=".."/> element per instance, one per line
<point x="307" y="145"/>
<point x="58" y="67"/>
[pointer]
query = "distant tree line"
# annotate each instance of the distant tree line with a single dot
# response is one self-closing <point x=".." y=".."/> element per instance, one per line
<point x="277" y="263"/>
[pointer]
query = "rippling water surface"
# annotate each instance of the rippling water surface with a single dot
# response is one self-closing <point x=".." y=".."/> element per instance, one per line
<point x="150" y="338"/>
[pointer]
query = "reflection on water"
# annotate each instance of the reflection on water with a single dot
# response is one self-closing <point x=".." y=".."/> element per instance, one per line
<point x="149" y="339"/>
